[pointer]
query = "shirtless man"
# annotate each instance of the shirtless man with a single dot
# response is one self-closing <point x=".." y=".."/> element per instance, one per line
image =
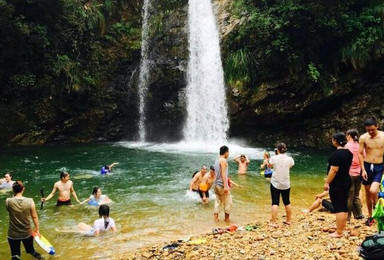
<point x="7" y="182"/>
<point x="243" y="163"/>
<point x="196" y="181"/>
<point x="65" y="187"/>
<point x="372" y="142"/>
<point x="207" y="183"/>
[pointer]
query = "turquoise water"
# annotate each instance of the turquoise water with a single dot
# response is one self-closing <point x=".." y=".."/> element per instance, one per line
<point x="149" y="190"/>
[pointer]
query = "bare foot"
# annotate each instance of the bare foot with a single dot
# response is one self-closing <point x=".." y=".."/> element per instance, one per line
<point x="215" y="220"/>
<point x="305" y="211"/>
<point x="227" y="220"/>
<point x="335" y="234"/>
<point x="273" y="225"/>
<point x="287" y="222"/>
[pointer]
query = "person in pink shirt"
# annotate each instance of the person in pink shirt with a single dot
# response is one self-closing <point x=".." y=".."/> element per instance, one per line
<point x="354" y="203"/>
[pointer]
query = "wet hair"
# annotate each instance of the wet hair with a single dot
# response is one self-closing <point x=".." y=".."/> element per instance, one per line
<point x="203" y="166"/>
<point x="17" y="187"/>
<point x="212" y="167"/>
<point x="95" y="189"/>
<point x="354" y="134"/>
<point x="242" y="155"/>
<point x="106" y="167"/>
<point x="10" y="174"/>
<point x="104" y="211"/>
<point x="267" y="154"/>
<point x="193" y="175"/>
<point x="282" y="147"/>
<point x="370" y="121"/>
<point x="223" y="149"/>
<point x="340" y="138"/>
<point x="63" y="175"/>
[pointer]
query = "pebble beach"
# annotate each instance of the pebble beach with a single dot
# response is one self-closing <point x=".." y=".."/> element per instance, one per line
<point x="306" y="238"/>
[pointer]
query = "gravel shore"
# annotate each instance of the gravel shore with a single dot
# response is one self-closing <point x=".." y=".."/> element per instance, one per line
<point x="306" y="238"/>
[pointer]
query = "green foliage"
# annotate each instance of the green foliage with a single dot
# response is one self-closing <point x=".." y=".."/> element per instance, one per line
<point x="237" y="66"/>
<point x="304" y="39"/>
<point x="313" y="73"/>
<point x="64" y="53"/>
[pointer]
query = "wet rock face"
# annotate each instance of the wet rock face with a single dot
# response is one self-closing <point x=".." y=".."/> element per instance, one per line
<point x="288" y="110"/>
<point x="280" y="111"/>
<point x="165" y="111"/>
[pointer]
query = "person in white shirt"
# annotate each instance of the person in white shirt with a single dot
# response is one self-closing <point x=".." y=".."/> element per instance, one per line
<point x="103" y="224"/>
<point x="280" y="183"/>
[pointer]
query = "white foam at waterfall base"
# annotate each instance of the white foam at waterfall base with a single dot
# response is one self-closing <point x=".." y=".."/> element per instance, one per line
<point x="195" y="148"/>
<point x="206" y="102"/>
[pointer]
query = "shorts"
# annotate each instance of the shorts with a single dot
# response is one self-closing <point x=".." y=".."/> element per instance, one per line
<point x="275" y="196"/>
<point x="62" y="203"/>
<point x="374" y="173"/>
<point x="222" y="198"/>
<point x="328" y="205"/>
<point x="339" y="198"/>
<point x="201" y="193"/>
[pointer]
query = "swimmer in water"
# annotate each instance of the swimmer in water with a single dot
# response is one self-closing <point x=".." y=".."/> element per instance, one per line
<point x="7" y="182"/>
<point x="103" y="224"/>
<point x="107" y="168"/>
<point x="96" y="199"/>
<point x="65" y="188"/>
<point x="243" y="162"/>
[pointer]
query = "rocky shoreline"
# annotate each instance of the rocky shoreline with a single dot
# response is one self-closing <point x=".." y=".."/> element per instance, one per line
<point x="306" y="238"/>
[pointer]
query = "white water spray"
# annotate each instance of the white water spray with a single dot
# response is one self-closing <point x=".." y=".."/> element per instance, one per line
<point x="207" y="119"/>
<point x="144" y="70"/>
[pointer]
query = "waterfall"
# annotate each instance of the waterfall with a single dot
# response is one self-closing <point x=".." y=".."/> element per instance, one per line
<point x="207" y="119"/>
<point x="144" y="70"/>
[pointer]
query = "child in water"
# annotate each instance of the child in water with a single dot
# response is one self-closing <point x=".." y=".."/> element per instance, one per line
<point x="96" y="199"/>
<point x="104" y="223"/>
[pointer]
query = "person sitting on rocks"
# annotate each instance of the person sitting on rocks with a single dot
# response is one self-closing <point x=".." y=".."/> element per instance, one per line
<point x="320" y="200"/>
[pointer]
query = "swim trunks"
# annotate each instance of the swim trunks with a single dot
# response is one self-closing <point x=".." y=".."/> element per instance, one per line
<point x="202" y="192"/>
<point x="65" y="202"/>
<point x="374" y="172"/>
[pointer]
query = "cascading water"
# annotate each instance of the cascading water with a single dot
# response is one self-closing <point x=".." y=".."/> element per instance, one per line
<point x="207" y="119"/>
<point x="144" y="70"/>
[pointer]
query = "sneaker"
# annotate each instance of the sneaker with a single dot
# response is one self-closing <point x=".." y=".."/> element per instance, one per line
<point x="369" y="221"/>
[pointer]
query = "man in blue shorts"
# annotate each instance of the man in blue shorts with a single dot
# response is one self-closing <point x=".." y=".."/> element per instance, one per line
<point x="372" y="143"/>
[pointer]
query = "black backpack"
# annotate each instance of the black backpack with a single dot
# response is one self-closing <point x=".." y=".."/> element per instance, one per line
<point x="372" y="247"/>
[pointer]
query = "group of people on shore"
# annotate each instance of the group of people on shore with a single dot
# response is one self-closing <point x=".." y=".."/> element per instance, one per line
<point x="356" y="161"/>
<point x="21" y="210"/>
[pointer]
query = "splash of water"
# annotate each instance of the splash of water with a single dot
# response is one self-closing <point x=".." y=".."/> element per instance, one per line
<point x="144" y="70"/>
<point x="207" y="119"/>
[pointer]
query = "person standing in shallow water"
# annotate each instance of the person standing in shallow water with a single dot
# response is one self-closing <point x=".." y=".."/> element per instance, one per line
<point x="280" y="184"/>
<point x="372" y="143"/>
<point x="354" y="203"/>
<point x="221" y="188"/>
<point x="243" y="162"/>
<point x="338" y="181"/>
<point x="65" y="188"/>
<point x="21" y="210"/>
